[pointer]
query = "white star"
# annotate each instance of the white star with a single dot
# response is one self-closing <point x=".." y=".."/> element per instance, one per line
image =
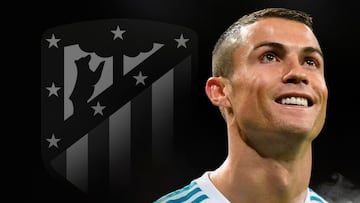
<point x="53" y="141"/>
<point x="98" y="109"/>
<point x="118" y="33"/>
<point x="181" y="41"/>
<point x="140" y="78"/>
<point x="53" y="90"/>
<point x="53" y="41"/>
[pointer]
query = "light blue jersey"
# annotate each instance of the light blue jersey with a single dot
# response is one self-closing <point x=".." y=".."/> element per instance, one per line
<point x="201" y="190"/>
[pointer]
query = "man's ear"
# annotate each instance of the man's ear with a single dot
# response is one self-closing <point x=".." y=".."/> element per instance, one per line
<point x="217" y="90"/>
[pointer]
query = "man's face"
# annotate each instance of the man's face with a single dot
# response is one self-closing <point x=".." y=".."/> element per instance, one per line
<point x="278" y="84"/>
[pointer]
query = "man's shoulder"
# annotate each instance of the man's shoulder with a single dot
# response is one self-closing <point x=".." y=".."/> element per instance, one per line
<point x="315" y="197"/>
<point x="200" y="190"/>
<point x="188" y="193"/>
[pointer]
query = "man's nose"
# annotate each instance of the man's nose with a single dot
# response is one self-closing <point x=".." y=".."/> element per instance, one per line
<point x="295" y="73"/>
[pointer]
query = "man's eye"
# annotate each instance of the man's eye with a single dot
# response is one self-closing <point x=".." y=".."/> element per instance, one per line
<point x="310" y="62"/>
<point x="268" y="57"/>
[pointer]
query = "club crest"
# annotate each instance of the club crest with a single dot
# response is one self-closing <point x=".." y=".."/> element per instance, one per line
<point x="113" y="94"/>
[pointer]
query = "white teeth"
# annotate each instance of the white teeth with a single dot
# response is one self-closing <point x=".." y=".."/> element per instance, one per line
<point x="295" y="101"/>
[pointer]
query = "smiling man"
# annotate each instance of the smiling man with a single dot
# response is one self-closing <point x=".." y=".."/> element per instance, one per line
<point x="268" y="81"/>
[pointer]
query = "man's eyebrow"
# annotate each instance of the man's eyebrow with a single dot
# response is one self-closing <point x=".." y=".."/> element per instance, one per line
<point x="312" y="50"/>
<point x="270" y="44"/>
<point x="280" y="46"/>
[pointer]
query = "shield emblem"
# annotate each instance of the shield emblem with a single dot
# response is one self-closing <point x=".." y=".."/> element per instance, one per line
<point x="114" y="94"/>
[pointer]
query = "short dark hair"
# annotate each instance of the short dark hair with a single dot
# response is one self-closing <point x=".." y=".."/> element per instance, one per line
<point x="225" y="46"/>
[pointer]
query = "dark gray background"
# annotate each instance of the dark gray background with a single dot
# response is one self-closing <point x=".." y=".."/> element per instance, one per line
<point x="336" y="24"/>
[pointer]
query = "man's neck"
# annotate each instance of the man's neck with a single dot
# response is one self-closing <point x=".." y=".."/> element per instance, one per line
<point x="247" y="176"/>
